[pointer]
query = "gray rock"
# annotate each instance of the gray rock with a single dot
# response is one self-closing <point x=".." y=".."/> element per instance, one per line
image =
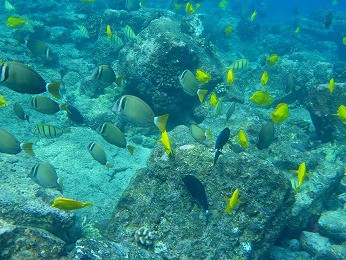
<point x="19" y="242"/>
<point x="338" y="251"/>
<point x="315" y="244"/>
<point x="292" y="245"/>
<point x="280" y="253"/>
<point x="93" y="249"/>
<point x="333" y="224"/>
<point x="158" y="200"/>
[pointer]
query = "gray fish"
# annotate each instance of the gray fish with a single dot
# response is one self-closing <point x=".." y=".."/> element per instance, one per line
<point x="44" y="174"/>
<point x="23" y="79"/>
<point x="135" y="111"/>
<point x="190" y="85"/>
<point x="133" y="5"/>
<point x="49" y="131"/>
<point x="199" y="134"/>
<point x="19" y="111"/>
<point x="46" y="105"/>
<point x="10" y="145"/>
<point x="98" y="154"/>
<point x="106" y="76"/>
<point x="113" y="135"/>
<point x="230" y="111"/>
<point x="266" y="136"/>
<point x="39" y="49"/>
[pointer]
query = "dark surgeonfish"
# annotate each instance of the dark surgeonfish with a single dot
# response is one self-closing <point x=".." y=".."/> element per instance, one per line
<point x="10" y="145"/>
<point x="105" y="75"/>
<point x="196" y="189"/>
<point x="99" y="154"/>
<point x="266" y="136"/>
<point x="44" y="174"/>
<point x="220" y="142"/>
<point x="19" y="111"/>
<point x="46" y="105"/>
<point x="41" y="50"/>
<point x="328" y="20"/>
<point x="23" y="79"/>
<point x="74" y="115"/>
<point x="135" y="111"/>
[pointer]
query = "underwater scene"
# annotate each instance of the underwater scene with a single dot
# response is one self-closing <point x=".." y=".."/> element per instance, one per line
<point x="176" y="129"/>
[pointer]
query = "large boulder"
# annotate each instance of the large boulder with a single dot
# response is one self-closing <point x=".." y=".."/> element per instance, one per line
<point x="156" y="213"/>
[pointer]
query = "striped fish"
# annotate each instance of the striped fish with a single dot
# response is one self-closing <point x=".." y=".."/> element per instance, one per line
<point x="130" y="34"/>
<point x="239" y="64"/>
<point x="115" y="41"/>
<point x="49" y="131"/>
<point x="83" y="30"/>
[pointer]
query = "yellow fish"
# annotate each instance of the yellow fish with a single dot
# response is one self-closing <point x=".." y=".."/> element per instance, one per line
<point x="280" y="114"/>
<point x="228" y="30"/>
<point x="15" y="22"/>
<point x="233" y="202"/>
<point x="272" y="60"/>
<point x="344" y="40"/>
<point x="264" y="78"/>
<point x="109" y="31"/>
<point x="253" y="16"/>
<point x="165" y="142"/>
<point x="242" y="139"/>
<point x="202" y="76"/>
<point x="301" y="172"/>
<point x="230" y="77"/>
<point x="261" y="98"/>
<point x="3" y="102"/>
<point x="297" y="30"/>
<point x="341" y="113"/>
<point x="213" y="99"/>
<point x="331" y="85"/>
<point x="223" y="4"/>
<point x="176" y="7"/>
<point x="189" y="8"/>
<point x="69" y="204"/>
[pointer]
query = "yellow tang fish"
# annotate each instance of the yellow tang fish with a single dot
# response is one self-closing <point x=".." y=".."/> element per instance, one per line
<point x="202" y="76"/>
<point x="189" y="8"/>
<point x="261" y="98"/>
<point x="331" y="85"/>
<point x="301" y="172"/>
<point x="3" y="102"/>
<point x="280" y="114"/>
<point x="272" y="60"/>
<point x="341" y="113"/>
<point x="264" y="78"/>
<point x="15" y="22"/>
<point x="69" y="204"/>
<point x="233" y="202"/>
<point x="165" y="142"/>
<point x="213" y="99"/>
<point x="223" y="4"/>
<point x="297" y="30"/>
<point x="242" y="139"/>
<point x="176" y="7"/>
<point x="228" y="30"/>
<point x="109" y="31"/>
<point x="344" y="40"/>
<point x="230" y="77"/>
<point x="253" y="16"/>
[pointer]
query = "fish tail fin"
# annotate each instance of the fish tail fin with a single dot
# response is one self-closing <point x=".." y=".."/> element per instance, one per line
<point x="208" y="134"/>
<point x="27" y="147"/>
<point x="217" y="154"/>
<point x="67" y="130"/>
<point x="131" y="148"/>
<point x="109" y="165"/>
<point x="53" y="88"/>
<point x="87" y="204"/>
<point x="26" y="118"/>
<point x="119" y="80"/>
<point x="60" y="184"/>
<point x="160" y="122"/>
<point x="64" y="107"/>
<point x="201" y="94"/>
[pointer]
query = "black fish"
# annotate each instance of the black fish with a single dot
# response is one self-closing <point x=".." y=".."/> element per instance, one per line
<point x="197" y="191"/>
<point x="329" y="19"/>
<point x="266" y="136"/>
<point x="74" y="115"/>
<point x="220" y="142"/>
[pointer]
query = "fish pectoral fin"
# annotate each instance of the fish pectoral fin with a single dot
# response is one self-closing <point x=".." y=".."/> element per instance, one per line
<point x="27" y="147"/>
